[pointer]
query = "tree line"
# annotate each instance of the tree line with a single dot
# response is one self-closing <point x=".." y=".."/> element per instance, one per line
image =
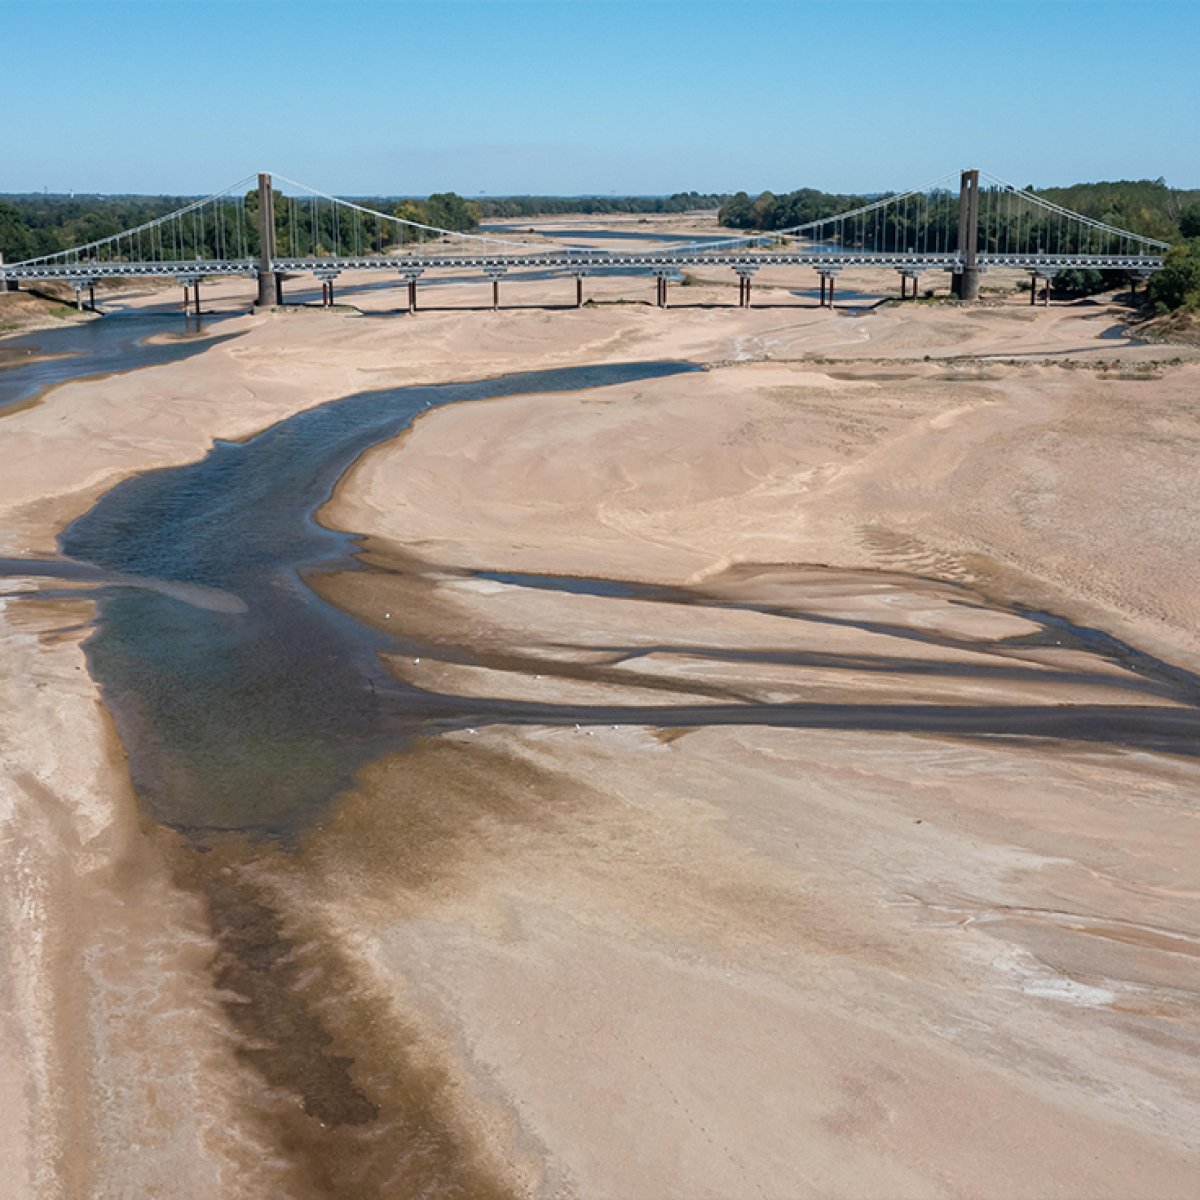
<point x="1148" y="207"/>
<point x="33" y="225"/>
<point x="534" y="206"/>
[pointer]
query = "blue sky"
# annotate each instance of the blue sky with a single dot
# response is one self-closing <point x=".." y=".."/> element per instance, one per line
<point x="361" y="97"/>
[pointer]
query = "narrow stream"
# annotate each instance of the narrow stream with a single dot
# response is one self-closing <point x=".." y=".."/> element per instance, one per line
<point x="33" y="362"/>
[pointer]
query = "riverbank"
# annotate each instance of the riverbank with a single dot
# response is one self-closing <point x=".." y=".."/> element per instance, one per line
<point x="570" y="938"/>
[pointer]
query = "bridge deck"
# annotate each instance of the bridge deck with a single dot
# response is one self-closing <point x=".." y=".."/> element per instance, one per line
<point x="582" y="262"/>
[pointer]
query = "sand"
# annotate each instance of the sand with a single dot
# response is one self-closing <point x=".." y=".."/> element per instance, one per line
<point x="631" y="962"/>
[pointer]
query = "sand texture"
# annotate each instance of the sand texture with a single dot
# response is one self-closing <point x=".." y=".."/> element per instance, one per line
<point x="880" y="929"/>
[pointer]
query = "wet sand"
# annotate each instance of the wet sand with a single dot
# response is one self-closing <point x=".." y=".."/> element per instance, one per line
<point x="735" y="961"/>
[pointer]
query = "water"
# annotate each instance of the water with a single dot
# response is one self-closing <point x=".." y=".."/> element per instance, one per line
<point x="840" y="295"/>
<point x="98" y="347"/>
<point x="250" y="715"/>
<point x="245" y="702"/>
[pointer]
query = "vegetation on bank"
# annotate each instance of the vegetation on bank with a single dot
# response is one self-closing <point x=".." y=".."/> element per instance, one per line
<point x="1176" y="288"/>
<point x="34" y="225"/>
<point x="1146" y="206"/>
<point x="532" y="206"/>
<point x="1149" y="207"/>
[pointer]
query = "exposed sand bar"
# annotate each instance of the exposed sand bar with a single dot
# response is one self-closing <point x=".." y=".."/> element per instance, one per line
<point x="758" y="962"/>
<point x="728" y="964"/>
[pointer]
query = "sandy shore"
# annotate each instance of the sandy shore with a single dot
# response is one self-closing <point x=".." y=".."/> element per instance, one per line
<point x="744" y="961"/>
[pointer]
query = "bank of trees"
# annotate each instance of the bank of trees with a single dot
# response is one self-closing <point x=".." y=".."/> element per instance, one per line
<point x="490" y="207"/>
<point x="34" y="225"/>
<point x="1176" y="288"/>
<point x="1147" y="206"/>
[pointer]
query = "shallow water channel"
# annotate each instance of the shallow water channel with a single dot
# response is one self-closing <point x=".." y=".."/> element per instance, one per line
<point x="247" y="707"/>
<point x="33" y="362"/>
<point x="246" y="702"/>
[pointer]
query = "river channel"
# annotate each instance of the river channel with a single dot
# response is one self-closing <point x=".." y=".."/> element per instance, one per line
<point x="246" y="702"/>
<point x="34" y="362"/>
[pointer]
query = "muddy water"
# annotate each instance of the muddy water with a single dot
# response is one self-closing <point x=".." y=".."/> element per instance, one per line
<point x="34" y="362"/>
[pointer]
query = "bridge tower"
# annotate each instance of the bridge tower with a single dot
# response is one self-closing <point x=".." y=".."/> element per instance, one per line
<point x="268" y="281"/>
<point x="966" y="285"/>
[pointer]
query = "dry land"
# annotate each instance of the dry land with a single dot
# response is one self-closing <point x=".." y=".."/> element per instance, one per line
<point x="861" y="935"/>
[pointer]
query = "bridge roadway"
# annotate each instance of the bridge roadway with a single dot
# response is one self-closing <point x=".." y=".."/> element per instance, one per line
<point x="580" y="262"/>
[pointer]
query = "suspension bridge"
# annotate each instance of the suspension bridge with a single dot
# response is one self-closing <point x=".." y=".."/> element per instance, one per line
<point x="272" y="229"/>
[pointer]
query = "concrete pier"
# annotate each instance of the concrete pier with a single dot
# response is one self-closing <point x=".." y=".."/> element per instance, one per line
<point x="966" y="284"/>
<point x="268" y="281"/>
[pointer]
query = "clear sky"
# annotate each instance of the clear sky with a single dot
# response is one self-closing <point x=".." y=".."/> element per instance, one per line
<point x="397" y="97"/>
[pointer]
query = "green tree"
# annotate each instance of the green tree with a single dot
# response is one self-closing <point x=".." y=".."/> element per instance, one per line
<point x="1189" y="221"/>
<point x="1177" y="286"/>
<point x="448" y="210"/>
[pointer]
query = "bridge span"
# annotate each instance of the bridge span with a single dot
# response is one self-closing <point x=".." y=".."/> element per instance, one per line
<point x="271" y="233"/>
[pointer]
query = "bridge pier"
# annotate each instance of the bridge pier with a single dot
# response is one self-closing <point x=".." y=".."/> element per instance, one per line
<point x="579" y="291"/>
<point x="410" y="275"/>
<point x="828" y="276"/>
<point x="268" y="280"/>
<point x="966" y="282"/>
<point x="661" y="295"/>
<point x="1046" y="278"/>
<point x="1134" y="279"/>
<point x="190" y="282"/>
<point x="745" y="275"/>
<point x="79" y="283"/>
<point x="494" y="274"/>
<point x="907" y="275"/>
<point x="326" y="276"/>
